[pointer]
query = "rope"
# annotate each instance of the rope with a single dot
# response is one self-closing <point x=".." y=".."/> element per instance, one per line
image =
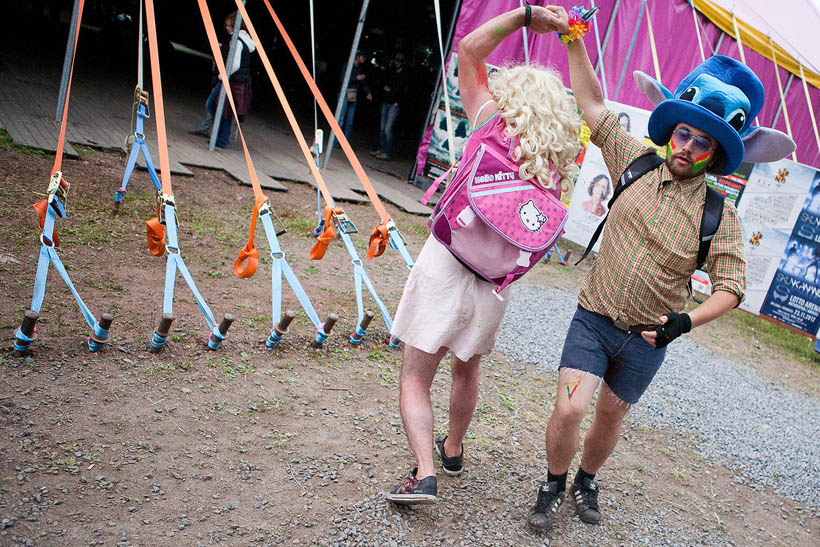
<point x="629" y="51"/>
<point x="782" y="95"/>
<point x="811" y="108"/>
<point x="652" y="44"/>
<point x="600" y="53"/>
<point x="697" y="31"/>
<point x="445" y="91"/>
<point x="387" y="229"/>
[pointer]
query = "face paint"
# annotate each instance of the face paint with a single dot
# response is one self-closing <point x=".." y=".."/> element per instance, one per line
<point x="571" y="387"/>
<point x="499" y="31"/>
<point x="699" y="164"/>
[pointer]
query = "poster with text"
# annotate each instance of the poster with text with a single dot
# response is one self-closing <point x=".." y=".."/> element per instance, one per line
<point x="775" y="193"/>
<point x="764" y="249"/>
<point x="731" y="186"/>
<point x="794" y="292"/>
<point x="594" y="186"/>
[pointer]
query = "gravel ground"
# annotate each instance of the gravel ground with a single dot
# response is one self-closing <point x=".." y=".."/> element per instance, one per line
<point x="767" y="433"/>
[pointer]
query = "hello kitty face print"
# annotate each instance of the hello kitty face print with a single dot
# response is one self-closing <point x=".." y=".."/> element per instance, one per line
<point x="530" y="216"/>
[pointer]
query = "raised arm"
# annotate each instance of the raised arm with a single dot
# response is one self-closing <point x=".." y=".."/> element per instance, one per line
<point x="474" y="49"/>
<point x="585" y="85"/>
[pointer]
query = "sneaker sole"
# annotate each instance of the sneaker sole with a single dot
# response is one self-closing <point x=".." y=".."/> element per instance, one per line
<point x="447" y="471"/>
<point x="411" y="499"/>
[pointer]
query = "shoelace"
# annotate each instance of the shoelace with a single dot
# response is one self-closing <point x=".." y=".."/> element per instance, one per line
<point x="409" y="485"/>
<point x="589" y="496"/>
<point x="547" y="501"/>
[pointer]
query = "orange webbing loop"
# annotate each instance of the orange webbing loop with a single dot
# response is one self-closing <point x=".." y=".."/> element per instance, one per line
<point x="378" y="241"/>
<point x="58" y="157"/>
<point x="327" y="235"/>
<point x="159" y="109"/>
<point x="331" y="119"/>
<point x="297" y="131"/>
<point x="155" y="233"/>
<point x="41" y="207"/>
<point x="249" y="252"/>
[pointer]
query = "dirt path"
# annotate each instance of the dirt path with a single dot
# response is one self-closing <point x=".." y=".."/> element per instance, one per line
<point x="248" y="446"/>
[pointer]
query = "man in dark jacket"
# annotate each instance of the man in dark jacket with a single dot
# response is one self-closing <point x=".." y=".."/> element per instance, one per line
<point x="356" y="83"/>
<point x="395" y="93"/>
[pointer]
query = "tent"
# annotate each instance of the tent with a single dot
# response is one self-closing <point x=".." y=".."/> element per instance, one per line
<point x="628" y="28"/>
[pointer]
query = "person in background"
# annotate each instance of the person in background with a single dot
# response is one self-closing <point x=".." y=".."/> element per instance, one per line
<point x="240" y="76"/>
<point x="356" y="83"/>
<point x="395" y="94"/>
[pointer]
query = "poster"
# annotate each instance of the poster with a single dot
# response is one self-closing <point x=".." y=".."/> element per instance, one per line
<point x="731" y="186"/>
<point x="793" y="296"/>
<point x="594" y="186"/>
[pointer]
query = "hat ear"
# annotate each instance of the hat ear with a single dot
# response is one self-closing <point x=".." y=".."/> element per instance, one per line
<point x="651" y="87"/>
<point x="763" y="145"/>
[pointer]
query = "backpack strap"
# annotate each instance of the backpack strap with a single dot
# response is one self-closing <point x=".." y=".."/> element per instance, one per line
<point x="480" y="110"/>
<point x="635" y="170"/>
<point x="709" y="223"/>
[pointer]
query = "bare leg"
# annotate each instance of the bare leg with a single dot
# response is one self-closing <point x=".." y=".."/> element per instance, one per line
<point x="575" y="391"/>
<point x="417" y="371"/>
<point x="463" y="398"/>
<point x="605" y="430"/>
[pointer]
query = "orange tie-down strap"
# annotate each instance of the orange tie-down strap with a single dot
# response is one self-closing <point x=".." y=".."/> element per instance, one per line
<point x="329" y="231"/>
<point x="41" y="207"/>
<point x="156" y="236"/>
<point x="248" y="253"/>
<point x="327" y="235"/>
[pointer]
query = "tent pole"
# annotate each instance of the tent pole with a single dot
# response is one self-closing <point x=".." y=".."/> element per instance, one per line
<point x="69" y="54"/>
<point x="629" y="51"/>
<point x="600" y="55"/>
<point x="719" y="42"/>
<point x="785" y="93"/>
<point x="220" y="105"/>
<point x="340" y="103"/>
<point x="599" y="62"/>
<point x="411" y="176"/>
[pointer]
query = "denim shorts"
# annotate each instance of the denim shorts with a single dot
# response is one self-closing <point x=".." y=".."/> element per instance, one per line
<point x="624" y="360"/>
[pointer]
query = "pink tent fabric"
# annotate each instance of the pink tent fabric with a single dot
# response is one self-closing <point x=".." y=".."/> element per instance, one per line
<point x="677" y="45"/>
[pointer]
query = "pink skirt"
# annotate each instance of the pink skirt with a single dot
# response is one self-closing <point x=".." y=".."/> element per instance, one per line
<point x="446" y="305"/>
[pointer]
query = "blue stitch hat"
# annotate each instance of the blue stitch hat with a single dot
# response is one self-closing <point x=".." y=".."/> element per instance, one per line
<point x="721" y="97"/>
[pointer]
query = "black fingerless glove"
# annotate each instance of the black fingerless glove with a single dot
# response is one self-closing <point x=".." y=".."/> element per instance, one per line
<point x="676" y="324"/>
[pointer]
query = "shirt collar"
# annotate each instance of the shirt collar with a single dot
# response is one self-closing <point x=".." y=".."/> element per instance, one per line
<point x="688" y="185"/>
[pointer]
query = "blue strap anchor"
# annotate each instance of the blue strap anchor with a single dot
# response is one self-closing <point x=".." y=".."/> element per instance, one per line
<point x="174" y="264"/>
<point x="27" y="333"/>
<point x="141" y="105"/>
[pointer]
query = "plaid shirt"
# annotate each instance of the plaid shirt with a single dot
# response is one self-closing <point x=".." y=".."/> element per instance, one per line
<point x="650" y="242"/>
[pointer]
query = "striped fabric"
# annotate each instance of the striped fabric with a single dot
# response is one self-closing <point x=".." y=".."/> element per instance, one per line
<point x="650" y="242"/>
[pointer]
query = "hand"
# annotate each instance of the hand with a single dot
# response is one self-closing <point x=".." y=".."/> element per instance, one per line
<point x="369" y="97"/>
<point x="549" y="19"/>
<point x="672" y="325"/>
<point x="360" y="77"/>
<point x="387" y="88"/>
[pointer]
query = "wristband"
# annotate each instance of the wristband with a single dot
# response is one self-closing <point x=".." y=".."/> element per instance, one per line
<point x="579" y="24"/>
<point x="527" y="14"/>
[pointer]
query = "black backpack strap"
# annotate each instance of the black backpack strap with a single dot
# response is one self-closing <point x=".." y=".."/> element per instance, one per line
<point x="709" y="223"/>
<point x="635" y="170"/>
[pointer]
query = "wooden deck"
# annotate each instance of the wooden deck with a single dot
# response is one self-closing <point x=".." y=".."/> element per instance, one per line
<point x="100" y="116"/>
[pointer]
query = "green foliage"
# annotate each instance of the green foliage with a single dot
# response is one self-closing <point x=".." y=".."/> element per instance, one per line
<point x="799" y="347"/>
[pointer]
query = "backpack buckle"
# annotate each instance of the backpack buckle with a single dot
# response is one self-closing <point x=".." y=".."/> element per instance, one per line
<point x="141" y="98"/>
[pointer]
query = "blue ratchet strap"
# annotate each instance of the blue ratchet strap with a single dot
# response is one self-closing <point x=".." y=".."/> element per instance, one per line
<point x="398" y="243"/>
<point x="281" y="267"/>
<point x="48" y="255"/>
<point x="173" y="264"/>
<point x="138" y="146"/>
<point x="359" y="276"/>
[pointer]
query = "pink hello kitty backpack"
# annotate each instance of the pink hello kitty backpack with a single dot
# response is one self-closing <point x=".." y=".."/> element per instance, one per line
<point x="497" y="225"/>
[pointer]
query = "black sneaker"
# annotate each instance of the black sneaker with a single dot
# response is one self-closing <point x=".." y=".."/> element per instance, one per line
<point x="546" y="507"/>
<point x="452" y="465"/>
<point x="586" y="501"/>
<point x="413" y="491"/>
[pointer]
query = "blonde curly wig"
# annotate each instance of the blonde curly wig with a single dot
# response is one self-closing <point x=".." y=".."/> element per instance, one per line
<point x="537" y="108"/>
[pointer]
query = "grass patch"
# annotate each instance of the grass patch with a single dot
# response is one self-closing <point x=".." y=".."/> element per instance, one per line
<point x="799" y="347"/>
<point x="7" y="143"/>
